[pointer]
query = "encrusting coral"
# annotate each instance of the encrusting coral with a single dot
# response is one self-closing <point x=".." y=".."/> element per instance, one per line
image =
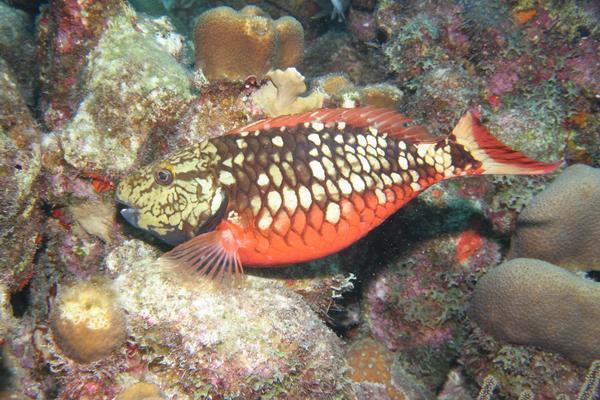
<point x="281" y="95"/>
<point x="233" y="45"/>
<point x="86" y="322"/>
<point x="375" y="375"/>
<point x="561" y="225"/>
<point x="506" y="304"/>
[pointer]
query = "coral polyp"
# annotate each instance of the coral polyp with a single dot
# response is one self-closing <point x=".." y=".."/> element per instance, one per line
<point x="86" y="322"/>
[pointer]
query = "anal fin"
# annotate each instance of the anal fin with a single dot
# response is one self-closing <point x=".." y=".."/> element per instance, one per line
<point x="212" y="254"/>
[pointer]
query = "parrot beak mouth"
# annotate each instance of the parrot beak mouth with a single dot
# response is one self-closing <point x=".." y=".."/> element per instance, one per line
<point x="131" y="215"/>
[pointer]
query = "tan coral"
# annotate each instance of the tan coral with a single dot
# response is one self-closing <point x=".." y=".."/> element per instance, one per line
<point x="140" y="391"/>
<point x="86" y="323"/>
<point x="381" y="95"/>
<point x="232" y="45"/>
<point x="371" y="362"/>
<point x="335" y="84"/>
<point x="291" y="42"/>
<point x="281" y="95"/>
<point x="561" y="225"/>
<point x="534" y="303"/>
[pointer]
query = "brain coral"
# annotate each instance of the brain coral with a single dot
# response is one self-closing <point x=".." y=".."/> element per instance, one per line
<point x="561" y="225"/>
<point x="86" y="323"/>
<point x="534" y="303"/>
<point x="232" y="45"/>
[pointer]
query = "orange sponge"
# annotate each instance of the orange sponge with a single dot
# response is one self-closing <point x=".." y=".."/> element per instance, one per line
<point x="232" y="45"/>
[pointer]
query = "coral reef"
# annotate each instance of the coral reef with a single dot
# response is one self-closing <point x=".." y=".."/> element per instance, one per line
<point x="254" y="43"/>
<point x="505" y="304"/>
<point x="67" y="31"/>
<point x="86" y="323"/>
<point x="92" y="90"/>
<point x="560" y="225"/>
<point x="415" y="306"/>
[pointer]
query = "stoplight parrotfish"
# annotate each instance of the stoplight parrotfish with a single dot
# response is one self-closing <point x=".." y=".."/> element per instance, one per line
<point x="299" y="187"/>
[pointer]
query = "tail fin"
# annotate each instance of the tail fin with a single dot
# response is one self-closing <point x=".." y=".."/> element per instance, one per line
<point x="495" y="157"/>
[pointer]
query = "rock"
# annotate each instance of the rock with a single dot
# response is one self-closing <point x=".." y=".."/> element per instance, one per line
<point x="237" y="341"/>
<point x="20" y="160"/>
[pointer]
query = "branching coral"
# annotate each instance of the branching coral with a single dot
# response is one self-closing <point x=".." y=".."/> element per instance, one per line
<point x="232" y="45"/>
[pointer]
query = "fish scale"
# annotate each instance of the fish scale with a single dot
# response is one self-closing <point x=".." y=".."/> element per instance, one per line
<point x="343" y="182"/>
<point x="299" y="187"/>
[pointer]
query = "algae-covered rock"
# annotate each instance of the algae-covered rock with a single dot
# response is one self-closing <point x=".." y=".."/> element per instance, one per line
<point x="20" y="223"/>
<point x="534" y="303"/>
<point x="66" y="32"/>
<point x="17" y="48"/>
<point x="234" y="340"/>
<point x="561" y="225"/>
<point x="135" y="89"/>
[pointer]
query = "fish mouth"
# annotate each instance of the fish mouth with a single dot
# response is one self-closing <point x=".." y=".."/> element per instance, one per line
<point x="130" y="213"/>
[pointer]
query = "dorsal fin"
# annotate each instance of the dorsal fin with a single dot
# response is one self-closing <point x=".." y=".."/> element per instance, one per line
<point x="383" y="119"/>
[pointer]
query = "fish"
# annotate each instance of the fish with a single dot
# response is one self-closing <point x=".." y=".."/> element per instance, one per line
<point x="299" y="187"/>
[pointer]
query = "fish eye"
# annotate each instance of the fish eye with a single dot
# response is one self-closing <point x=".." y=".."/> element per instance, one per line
<point x="407" y="124"/>
<point x="163" y="177"/>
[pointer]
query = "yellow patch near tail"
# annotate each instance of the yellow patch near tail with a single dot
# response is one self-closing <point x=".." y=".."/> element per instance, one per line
<point x="495" y="156"/>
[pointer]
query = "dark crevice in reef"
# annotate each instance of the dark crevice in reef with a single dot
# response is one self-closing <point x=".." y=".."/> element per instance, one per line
<point x="5" y="374"/>
<point x="594" y="275"/>
<point x="20" y="301"/>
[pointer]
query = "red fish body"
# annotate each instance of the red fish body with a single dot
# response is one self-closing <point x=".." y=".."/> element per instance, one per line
<point x="303" y="186"/>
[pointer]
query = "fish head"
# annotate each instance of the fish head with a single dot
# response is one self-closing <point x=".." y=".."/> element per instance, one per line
<point x="173" y="198"/>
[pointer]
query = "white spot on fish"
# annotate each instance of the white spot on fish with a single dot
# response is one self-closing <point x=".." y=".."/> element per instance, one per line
<point x="317" y="170"/>
<point x="277" y="141"/>
<point x="332" y="213"/>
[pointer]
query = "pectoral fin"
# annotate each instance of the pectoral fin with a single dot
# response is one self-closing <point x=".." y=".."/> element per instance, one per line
<point x="213" y="254"/>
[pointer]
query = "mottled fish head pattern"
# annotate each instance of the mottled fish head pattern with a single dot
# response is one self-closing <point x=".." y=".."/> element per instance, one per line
<point x="175" y="197"/>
